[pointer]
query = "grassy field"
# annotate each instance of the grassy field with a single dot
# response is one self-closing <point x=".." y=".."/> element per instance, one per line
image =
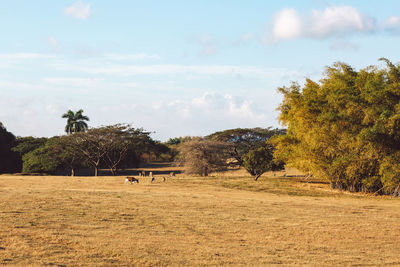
<point x="187" y="221"/>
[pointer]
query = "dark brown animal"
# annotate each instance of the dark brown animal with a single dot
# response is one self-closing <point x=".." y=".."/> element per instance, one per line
<point x="131" y="180"/>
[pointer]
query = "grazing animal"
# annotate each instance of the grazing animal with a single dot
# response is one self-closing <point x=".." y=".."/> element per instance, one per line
<point x="171" y="174"/>
<point x="131" y="180"/>
<point x="153" y="179"/>
<point x="164" y="179"/>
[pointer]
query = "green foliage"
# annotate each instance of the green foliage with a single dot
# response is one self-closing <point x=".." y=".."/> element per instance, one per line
<point x="75" y="121"/>
<point x="174" y="141"/>
<point x="24" y="145"/>
<point x="39" y="160"/>
<point x="27" y="144"/>
<point x="345" y="128"/>
<point x="260" y="160"/>
<point x="65" y="151"/>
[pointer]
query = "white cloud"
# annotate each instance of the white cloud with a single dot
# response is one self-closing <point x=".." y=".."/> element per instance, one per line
<point x="287" y="25"/>
<point x="339" y="20"/>
<point x="332" y="21"/>
<point x="392" y="24"/>
<point x="78" y="10"/>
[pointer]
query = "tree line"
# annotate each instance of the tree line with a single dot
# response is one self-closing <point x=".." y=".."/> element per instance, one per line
<point x="113" y="147"/>
<point x="121" y="146"/>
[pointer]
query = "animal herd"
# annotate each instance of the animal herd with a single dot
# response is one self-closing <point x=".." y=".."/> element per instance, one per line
<point x="133" y="180"/>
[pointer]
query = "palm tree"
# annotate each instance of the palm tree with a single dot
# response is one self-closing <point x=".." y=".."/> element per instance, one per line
<point x="75" y="121"/>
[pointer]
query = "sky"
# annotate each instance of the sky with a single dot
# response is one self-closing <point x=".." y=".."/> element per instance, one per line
<point x="177" y="68"/>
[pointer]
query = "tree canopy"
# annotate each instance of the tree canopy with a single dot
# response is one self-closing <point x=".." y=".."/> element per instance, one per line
<point x="345" y="128"/>
<point x="112" y="146"/>
<point x="260" y="160"/>
<point x="242" y="140"/>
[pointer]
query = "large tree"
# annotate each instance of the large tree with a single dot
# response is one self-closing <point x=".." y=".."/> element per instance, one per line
<point x="126" y="144"/>
<point x="242" y="140"/>
<point x="67" y="152"/>
<point x="112" y="146"/>
<point x="345" y="128"/>
<point x="76" y="121"/>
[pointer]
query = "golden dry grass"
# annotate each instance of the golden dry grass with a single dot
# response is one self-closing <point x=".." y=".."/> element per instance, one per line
<point x="87" y="221"/>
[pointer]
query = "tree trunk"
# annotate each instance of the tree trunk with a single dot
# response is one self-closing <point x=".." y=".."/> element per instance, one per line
<point x="72" y="172"/>
<point x="95" y="171"/>
<point x="256" y="178"/>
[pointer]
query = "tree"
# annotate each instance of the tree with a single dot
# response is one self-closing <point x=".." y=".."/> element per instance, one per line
<point x="242" y="140"/>
<point x="8" y="159"/>
<point x="346" y="128"/>
<point x="260" y="160"/>
<point x="202" y="157"/>
<point x="125" y="140"/>
<point x="65" y="149"/>
<point x="23" y="145"/>
<point x="39" y="161"/>
<point x="112" y="146"/>
<point x="75" y="121"/>
<point x="161" y="151"/>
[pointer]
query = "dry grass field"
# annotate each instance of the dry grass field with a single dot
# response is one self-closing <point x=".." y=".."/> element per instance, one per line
<point x="189" y="221"/>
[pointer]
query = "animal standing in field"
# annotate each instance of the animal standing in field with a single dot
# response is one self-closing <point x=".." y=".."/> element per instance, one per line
<point x="153" y="179"/>
<point x="171" y="174"/>
<point x="131" y="180"/>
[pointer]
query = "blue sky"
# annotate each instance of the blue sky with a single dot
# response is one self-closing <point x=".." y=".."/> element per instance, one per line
<point x="176" y="68"/>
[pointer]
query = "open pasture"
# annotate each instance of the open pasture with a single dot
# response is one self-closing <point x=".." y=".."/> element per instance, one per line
<point x="187" y="221"/>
